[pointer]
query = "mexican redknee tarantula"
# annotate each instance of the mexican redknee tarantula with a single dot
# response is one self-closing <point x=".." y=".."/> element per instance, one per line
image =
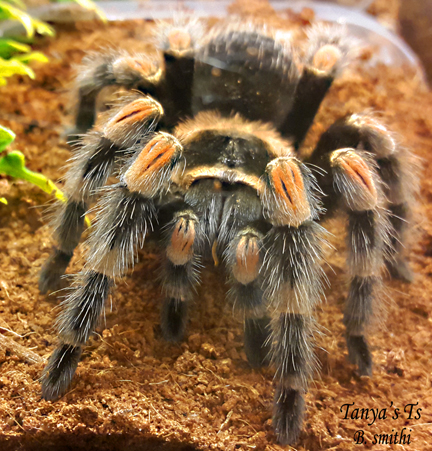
<point x="206" y="147"/>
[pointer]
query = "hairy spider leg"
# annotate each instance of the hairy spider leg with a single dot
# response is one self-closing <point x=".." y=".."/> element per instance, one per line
<point x="100" y="70"/>
<point x="184" y="241"/>
<point x="178" y="41"/>
<point x="127" y="211"/>
<point x="329" y="50"/>
<point x="121" y="227"/>
<point x="231" y="218"/>
<point x="240" y="240"/>
<point x="170" y="83"/>
<point x="396" y="167"/>
<point x="293" y="281"/>
<point x="100" y="152"/>
<point x="350" y="180"/>
<point x="243" y="258"/>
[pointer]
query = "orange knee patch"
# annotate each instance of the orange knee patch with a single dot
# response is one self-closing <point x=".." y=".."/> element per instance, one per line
<point x="179" y="40"/>
<point x="146" y="173"/>
<point x="358" y="173"/>
<point x="131" y="117"/>
<point x="288" y="183"/>
<point x="290" y="205"/>
<point x="180" y="248"/>
<point x="326" y="58"/>
<point x="147" y="69"/>
<point x="247" y="261"/>
<point x="137" y="111"/>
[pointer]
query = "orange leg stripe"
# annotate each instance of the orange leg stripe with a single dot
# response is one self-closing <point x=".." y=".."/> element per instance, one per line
<point x="159" y="154"/>
<point x="288" y="183"/>
<point x="247" y="260"/>
<point x="286" y="194"/>
<point x="284" y="186"/>
<point x="145" y="68"/>
<point x="182" y="239"/>
<point x="298" y="178"/>
<point x="247" y="254"/>
<point x="358" y="170"/>
<point x="138" y="110"/>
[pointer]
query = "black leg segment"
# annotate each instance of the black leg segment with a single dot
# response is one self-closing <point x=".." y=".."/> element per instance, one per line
<point x="257" y="341"/>
<point x="59" y="371"/>
<point x="174" y="319"/>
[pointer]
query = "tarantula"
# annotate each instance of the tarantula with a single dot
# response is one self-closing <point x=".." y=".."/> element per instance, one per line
<point x="206" y="147"/>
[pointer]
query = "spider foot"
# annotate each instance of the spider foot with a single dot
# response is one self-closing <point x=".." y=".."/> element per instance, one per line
<point x="359" y="354"/>
<point x="399" y="269"/>
<point x="173" y="319"/>
<point x="59" y="371"/>
<point x="179" y="36"/>
<point x="288" y="415"/>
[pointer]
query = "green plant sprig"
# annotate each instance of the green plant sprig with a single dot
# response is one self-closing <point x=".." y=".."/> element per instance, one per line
<point x="13" y="164"/>
<point x="31" y="25"/>
<point x="15" y="56"/>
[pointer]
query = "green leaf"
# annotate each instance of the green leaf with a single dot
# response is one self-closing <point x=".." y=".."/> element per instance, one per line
<point x="8" y="47"/>
<point x="6" y="137"/>
<point x="31" y="25"/>
<point x="3" y="200"/>
<point x="43" y="28"/>
<point x="10" y="12"/>
<point x="13" y="164"/>
<point x="33" y="56"/>
<point x="13" y="66"/>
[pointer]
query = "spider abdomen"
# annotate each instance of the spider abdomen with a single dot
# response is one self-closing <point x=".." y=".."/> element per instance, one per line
<point x="245" y="71"/>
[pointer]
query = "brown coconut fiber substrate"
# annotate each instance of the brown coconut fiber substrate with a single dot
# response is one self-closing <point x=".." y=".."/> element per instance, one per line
<point x="134" y="391"/>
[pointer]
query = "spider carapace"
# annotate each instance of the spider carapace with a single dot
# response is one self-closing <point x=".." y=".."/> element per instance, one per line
<point x="205" y="145"/>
